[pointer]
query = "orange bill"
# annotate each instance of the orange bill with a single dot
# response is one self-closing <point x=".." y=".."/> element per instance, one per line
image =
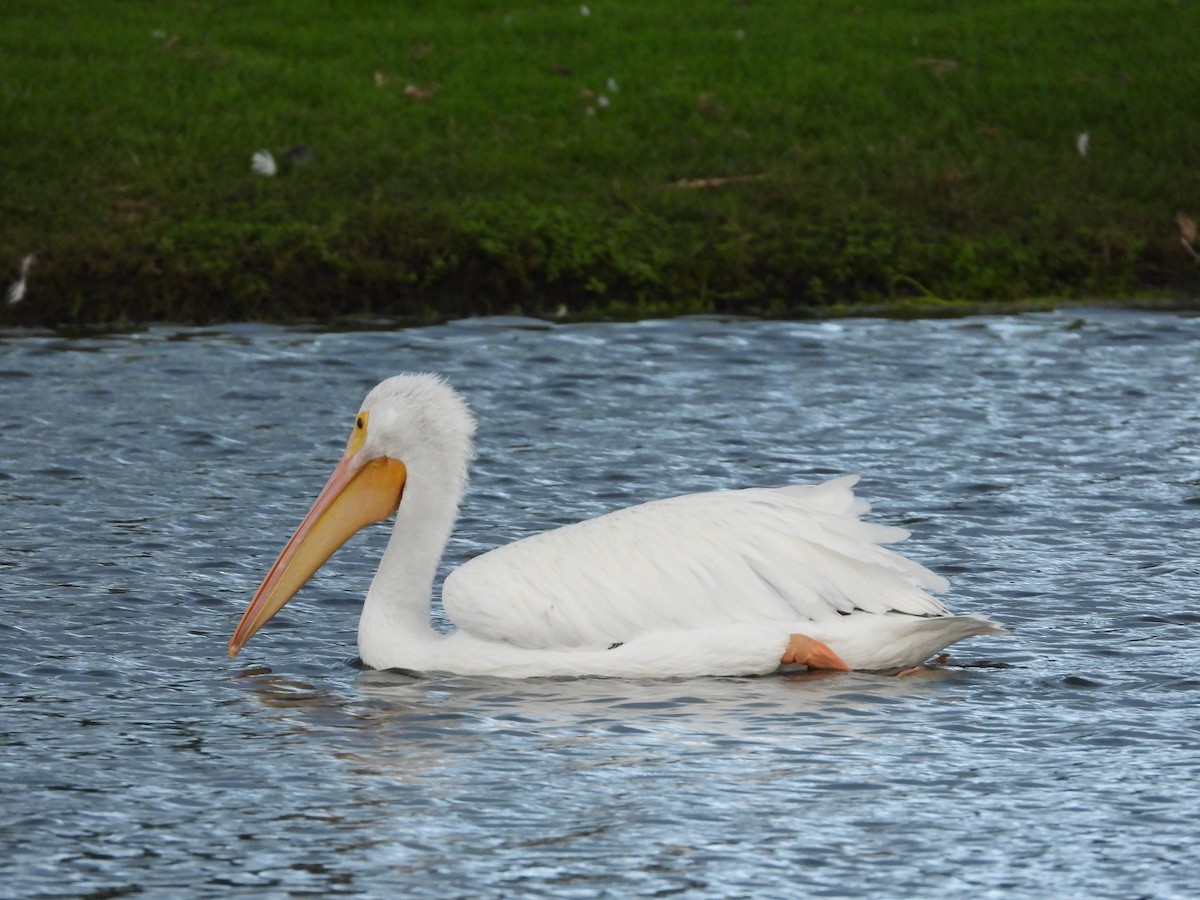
<point x="357" y="494"/>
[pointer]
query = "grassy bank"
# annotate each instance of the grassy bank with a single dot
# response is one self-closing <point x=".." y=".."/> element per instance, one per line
<point x="645" y="158"/>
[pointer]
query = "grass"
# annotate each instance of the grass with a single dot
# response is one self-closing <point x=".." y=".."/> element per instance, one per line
<point x="759" y="158"/>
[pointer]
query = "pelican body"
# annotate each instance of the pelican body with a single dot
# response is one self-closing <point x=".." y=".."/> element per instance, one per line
<point x="741" y="582"/>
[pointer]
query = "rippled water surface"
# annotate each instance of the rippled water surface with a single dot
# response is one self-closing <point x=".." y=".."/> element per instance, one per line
<point x="1049" y="465"/>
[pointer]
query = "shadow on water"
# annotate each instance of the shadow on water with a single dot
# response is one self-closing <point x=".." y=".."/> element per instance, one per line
<point x="397" y="714"/>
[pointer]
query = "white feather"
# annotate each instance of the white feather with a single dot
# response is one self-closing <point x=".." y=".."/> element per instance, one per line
<point x="263" y="163"/>
<point x="701" y="559"/>
<point x="16" y="290"/>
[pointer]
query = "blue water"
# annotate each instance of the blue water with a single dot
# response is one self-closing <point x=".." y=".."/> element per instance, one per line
<point x="1048" y="464"/>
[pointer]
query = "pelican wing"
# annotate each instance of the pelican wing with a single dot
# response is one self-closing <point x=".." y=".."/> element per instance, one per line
<point x="790" y="554"/>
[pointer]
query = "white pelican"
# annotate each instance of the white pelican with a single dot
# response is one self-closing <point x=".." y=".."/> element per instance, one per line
<point x="724" y="583"/>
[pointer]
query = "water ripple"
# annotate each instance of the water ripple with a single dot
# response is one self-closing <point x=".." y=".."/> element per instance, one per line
<point x="1048" y="463"/>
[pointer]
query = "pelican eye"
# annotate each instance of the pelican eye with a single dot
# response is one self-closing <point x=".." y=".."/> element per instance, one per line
<point x="359" y="435"/>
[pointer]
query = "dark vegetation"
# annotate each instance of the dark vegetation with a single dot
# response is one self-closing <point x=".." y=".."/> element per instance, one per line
<point x="648" y="158"/>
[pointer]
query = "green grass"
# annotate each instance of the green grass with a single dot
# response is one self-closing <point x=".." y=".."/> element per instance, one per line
<point x="900" y="155"/>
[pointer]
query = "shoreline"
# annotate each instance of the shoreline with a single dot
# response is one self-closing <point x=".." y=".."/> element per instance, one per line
<point x="381" y="323"/>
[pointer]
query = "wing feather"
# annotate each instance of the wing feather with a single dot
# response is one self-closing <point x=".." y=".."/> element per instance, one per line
<point x="784" y="554"/>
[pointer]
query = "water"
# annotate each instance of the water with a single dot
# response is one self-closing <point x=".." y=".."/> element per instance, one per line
<point x="1048" y="464"/>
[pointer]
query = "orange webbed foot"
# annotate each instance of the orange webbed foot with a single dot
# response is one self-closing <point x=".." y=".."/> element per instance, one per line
<point x="802" y="650"/>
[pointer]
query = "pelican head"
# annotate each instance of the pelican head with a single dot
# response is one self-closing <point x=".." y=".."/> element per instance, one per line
<point x="407" y="425"/>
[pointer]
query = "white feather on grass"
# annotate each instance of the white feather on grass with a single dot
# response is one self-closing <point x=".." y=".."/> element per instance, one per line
<point x="263" y="163"/>
<point x="16" y="290"/>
